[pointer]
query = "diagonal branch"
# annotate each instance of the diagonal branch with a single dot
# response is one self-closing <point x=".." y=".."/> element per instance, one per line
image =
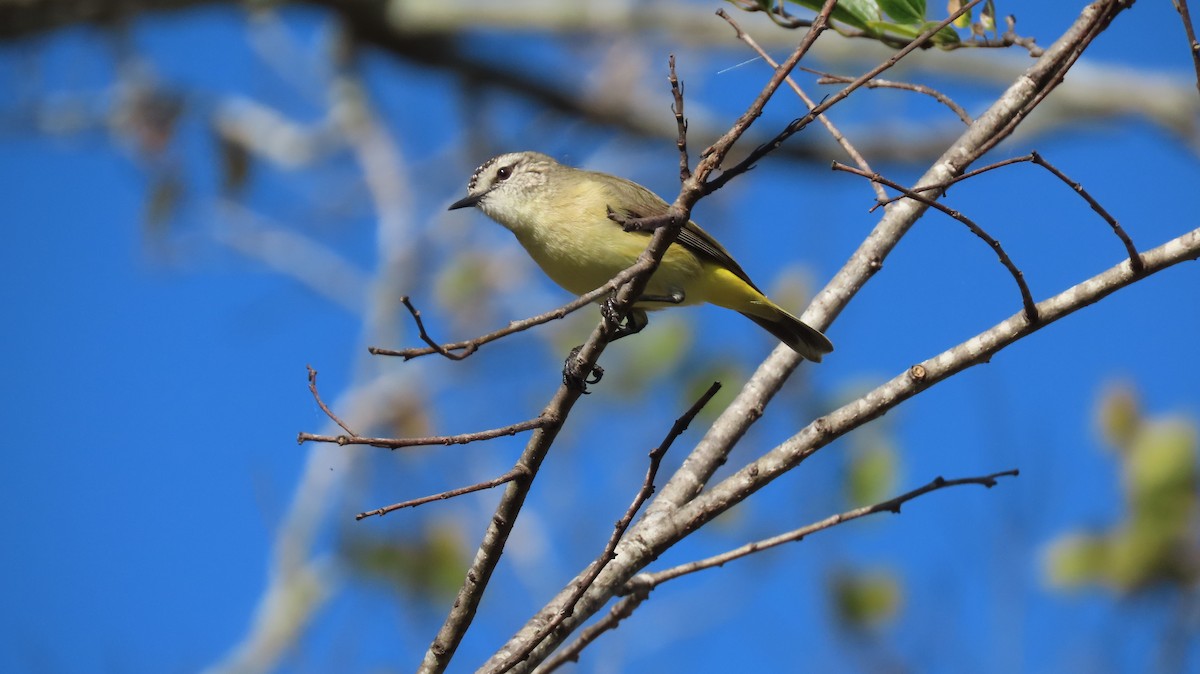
<point x="838" y="136"/>
<point x="656" y="456"/>
<point x="798" y="124"/>
<point x="516" y="473"/>
<point x="1181" y="6"/>
<point x="713" y="449"/>
<point x="638" y="589"/>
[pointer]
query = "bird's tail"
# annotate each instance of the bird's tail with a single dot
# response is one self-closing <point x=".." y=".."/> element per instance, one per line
<point x="803" y="338"/>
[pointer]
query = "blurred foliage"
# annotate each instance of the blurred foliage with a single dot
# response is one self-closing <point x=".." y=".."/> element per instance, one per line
<point x="1155" y="543"/>
<point x="872" y="471"/>
<point x="892" y="22"/>
<point x="430" y="566"/>
<point x="872" y="468"/>
<point x="659" y="351"/>
<point x="700" y="376"/>
<point x="865" y="600"/>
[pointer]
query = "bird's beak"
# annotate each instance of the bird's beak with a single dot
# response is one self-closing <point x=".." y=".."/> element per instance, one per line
<point x="466" y="201"/>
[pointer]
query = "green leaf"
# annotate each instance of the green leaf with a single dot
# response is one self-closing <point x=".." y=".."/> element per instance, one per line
<point x="856" y="13"/>
<point x="904" y="11"/>
<point x="943" y="38"/>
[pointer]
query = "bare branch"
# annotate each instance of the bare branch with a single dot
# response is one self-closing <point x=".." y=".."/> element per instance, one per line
<point x="1037" y="159"/>
<point x="978" y="349"/>
<point x="429" y="340"/>
<point x="516" y="473"/>
<point x="798" y="124"/>
<point x="471" y="345"/>
<point x="1134" y="259"/>
<point x="312" y="386"/>
<point x="827" y="78"/>
<point x="891" y="505"/>
<point x="1017" y="274"/>
<point x="1181" y="6"/>
<point x="681" y="124"/>
<point x="543" y="421"/>
<point x="829" y="126"/>
<point x="620" y="611"/>
<point x="638" y="588"/>
<point x="582" y="584"/>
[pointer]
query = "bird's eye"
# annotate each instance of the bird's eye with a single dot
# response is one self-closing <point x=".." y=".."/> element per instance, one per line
<point x="503" y="173"/>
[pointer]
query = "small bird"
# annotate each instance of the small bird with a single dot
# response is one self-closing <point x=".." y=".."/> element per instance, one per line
<point x="569" y="221"/>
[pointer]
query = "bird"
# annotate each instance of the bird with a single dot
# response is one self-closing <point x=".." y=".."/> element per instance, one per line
<point x="569" y="220"/>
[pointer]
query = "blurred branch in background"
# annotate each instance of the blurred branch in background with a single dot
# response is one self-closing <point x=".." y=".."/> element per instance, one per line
<point x="142" y="113"/>
<point x="435" y="35"/>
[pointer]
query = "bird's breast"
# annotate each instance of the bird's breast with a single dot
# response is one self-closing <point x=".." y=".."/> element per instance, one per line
<point x="581" y="249"/>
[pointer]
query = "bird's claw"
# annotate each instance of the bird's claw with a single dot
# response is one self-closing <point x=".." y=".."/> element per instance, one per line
<point x="574" y="375"/>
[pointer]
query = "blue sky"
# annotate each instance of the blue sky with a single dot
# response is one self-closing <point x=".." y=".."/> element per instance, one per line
<point x="156" y="380"/>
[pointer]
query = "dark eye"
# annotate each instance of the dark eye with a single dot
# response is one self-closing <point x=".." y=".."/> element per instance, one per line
<point x="503" y="173"/>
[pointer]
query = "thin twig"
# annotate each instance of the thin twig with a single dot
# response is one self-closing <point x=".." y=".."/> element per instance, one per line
<point x="312" y="386"/>
<point x="438" y="348"/>
<point x="1026" y="297"/>
<point x="943" y="186"/>
<point x="471" y="345"/>
<point x="1135" y="260"/>
<point x="717" y="151"/>
<point x="841" y="139"/>
<point x="1037" y="159"/>
<point x="799" y="123"/>
<point x="681" y="124"/>
<point x="515" y="473"/>
<point x="891" y="505"/>
<point x="1193" y="46"/>
<point x="638" y="588"/>
<point x="461" y="439"/>
<point x="582" y="584"/>
<point x="620" y="611"/>
<point x="827" y="78"/>
<point x="1100" y="15"/>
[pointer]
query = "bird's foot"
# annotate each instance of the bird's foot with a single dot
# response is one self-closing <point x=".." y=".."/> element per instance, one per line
<point x="574" y="374"/>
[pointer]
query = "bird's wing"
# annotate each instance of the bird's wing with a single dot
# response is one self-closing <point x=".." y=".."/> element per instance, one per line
<point x="639" y="202"/>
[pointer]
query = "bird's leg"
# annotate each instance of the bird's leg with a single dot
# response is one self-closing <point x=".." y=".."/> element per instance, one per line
<point x="575" y="377"/>
<point x="676" y="297"/>
<point x="631" y="323"/>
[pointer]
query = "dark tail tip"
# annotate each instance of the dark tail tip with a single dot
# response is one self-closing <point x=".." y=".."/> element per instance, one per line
<point x="801" y="337"/>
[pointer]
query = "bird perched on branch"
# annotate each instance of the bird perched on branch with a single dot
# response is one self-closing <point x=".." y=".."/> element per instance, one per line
<point x="576" y="225"/>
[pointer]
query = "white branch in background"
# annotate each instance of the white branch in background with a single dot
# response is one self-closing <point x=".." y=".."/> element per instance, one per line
<point x="292" y="254"/>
